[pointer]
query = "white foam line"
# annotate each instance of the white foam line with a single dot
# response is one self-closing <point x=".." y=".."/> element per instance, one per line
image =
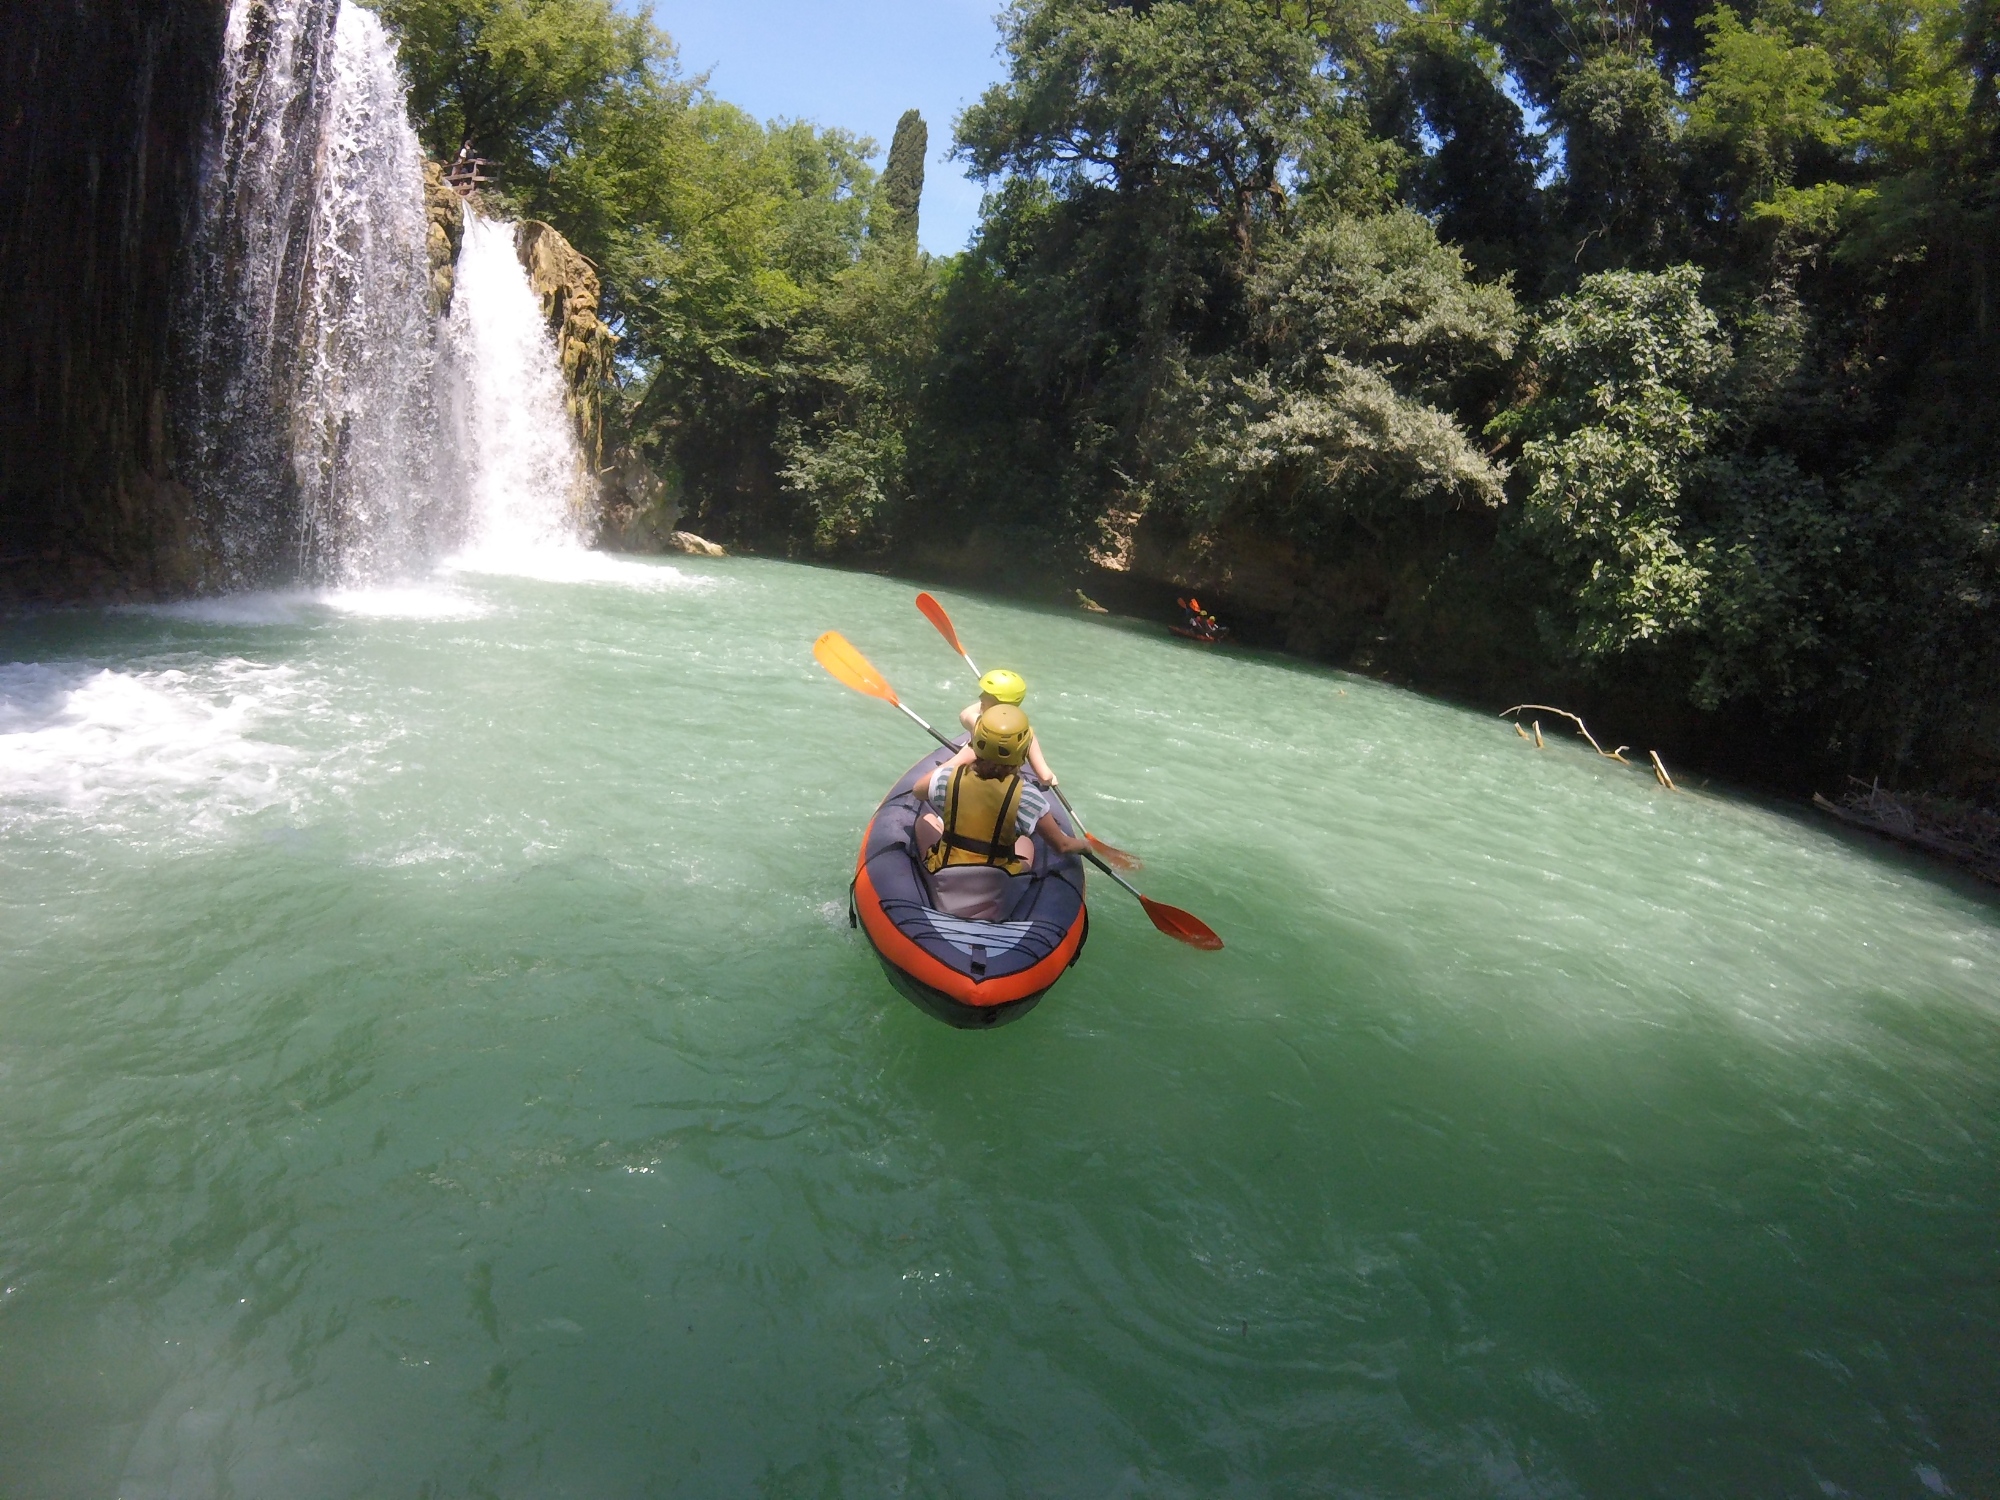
<point x="576" y="565"/>
<point x="303" y="606"/>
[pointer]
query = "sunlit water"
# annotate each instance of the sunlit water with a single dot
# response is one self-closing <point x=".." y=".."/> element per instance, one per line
<point x="434" y="1060"/>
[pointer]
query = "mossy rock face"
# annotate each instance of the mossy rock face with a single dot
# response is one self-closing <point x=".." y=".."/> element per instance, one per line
<point x="566" y="282"/>
<point x="441" y="241"/>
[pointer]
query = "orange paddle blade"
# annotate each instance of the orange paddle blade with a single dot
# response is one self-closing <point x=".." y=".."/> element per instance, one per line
<point x="934" y="612"/>
<point x="1113" y="855"/>
<point x="1184" y="925"/>
<point x="850" y="668"/>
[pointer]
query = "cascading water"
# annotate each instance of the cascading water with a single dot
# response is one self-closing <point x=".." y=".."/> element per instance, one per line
<point x="246" y="280"/>
<point x="520" y="464"/>
<point x="365" y="428"/>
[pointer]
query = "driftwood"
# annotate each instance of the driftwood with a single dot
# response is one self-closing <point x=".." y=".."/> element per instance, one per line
<point x="1967" y="836"/>
<point x="1618" y="754"/>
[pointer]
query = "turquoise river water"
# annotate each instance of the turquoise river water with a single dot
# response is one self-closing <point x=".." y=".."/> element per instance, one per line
<point x="434" y="1061"/>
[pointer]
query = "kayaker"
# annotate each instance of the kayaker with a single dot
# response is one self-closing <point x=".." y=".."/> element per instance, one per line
<point x="985" y="805"/>
<point x="997" y="687"/>
<point x="1199" y="622"/>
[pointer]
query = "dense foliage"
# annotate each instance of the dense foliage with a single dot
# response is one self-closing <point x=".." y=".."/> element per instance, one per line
<point x="1660" y="336"/>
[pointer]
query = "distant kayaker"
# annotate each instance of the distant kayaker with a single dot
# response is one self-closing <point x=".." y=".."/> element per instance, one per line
<point x="997" y="687"/>
<point x="1199" y="623"/>
<point x="985" y="805"/>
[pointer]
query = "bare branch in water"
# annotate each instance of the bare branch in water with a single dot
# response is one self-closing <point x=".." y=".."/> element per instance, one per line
<point x="1617" y="754"/>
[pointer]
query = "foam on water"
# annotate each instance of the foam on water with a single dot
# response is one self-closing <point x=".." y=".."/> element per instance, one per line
<point x="306" y="606"/>
<point x="99" y="744"/>
<point x="559" y="564"/>
<point x="410" y="602"/>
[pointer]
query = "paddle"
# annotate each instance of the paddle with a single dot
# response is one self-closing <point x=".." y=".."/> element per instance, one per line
<point x="1171" y="920"/>
<point x="934" y="612"/>
<point x="850" y="668"/>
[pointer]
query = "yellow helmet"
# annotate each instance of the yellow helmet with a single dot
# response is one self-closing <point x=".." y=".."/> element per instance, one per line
<point x="1003" y="686"/>
<point x="1002" y="734"/>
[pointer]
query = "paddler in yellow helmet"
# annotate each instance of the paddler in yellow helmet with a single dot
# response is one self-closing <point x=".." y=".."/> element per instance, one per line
<point x="984" y="802"/>
<point x="997" y="687"/>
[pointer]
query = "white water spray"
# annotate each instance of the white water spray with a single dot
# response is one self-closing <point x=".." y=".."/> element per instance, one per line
<point x="245" y="279"/>
<point x="366" y="426"/>
<point x="521" y="468"/>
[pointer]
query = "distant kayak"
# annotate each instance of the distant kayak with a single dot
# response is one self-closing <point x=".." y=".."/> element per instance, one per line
<point x="1012" y="937"/>
<point x="1195" y="635"/>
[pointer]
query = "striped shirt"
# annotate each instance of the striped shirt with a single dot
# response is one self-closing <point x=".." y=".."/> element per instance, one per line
<point x="1034" y="801"/>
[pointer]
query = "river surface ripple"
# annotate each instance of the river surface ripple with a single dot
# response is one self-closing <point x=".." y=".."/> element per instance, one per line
<point x="434" y="1060"/>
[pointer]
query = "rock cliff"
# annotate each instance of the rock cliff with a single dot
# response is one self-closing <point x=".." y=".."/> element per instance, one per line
<point x="447" y="231"/>
<point x="567" y="284"/>
<point x="102" y="109"/>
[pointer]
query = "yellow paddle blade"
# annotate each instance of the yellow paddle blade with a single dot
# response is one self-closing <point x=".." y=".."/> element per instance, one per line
<point x="850" y="668"/>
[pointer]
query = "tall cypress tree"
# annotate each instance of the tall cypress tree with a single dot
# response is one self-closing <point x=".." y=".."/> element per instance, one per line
<point x="902" y="185"/>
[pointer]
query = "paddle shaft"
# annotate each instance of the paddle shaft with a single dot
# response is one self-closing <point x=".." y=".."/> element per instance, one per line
<point x="1091" y="855"/>
<point x="1081" y="830"/>
<point x="930" y="731"/>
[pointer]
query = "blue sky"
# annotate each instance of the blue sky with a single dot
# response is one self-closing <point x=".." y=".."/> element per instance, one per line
<point x="854" y="64"/>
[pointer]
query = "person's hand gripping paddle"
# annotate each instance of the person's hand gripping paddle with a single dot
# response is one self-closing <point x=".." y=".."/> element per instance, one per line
<point x="934" y="612"/>
<point x="851" y="669"/>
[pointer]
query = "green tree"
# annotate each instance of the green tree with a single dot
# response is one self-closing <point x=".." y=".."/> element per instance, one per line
<point x="1479" y="180"/>
<point x="901" y="190"/>
<point x="1625" y="372"/>
<point x="1762" y="101"/>
<point x="1364" y="330"/>
<point x="521" y="81"/>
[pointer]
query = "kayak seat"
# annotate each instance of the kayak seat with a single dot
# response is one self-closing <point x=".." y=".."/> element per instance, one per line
<point x="929" y="828"/>
<point x="978" y="893"/>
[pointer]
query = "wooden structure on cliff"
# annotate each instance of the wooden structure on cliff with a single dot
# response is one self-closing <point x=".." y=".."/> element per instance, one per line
<point x="466" y="175"/>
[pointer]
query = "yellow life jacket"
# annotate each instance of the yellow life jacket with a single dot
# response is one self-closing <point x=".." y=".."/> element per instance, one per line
<point x="978" y="823"/>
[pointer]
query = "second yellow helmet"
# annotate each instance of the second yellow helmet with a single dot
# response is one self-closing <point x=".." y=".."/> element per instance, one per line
<point x="1002" y="735"/>
<point x="1003" y="686"/>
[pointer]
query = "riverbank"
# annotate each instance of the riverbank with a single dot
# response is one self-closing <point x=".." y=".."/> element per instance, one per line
<point x="1731" y="749"/>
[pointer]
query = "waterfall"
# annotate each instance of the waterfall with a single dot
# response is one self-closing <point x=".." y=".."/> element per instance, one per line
<point x="517" y="450"/>
<point x="365" y="421"/>
<point x="334" y="433"/>
<point x="245" y="280"/>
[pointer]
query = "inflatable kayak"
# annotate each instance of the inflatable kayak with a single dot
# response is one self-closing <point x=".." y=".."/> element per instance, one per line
<point x="1196" y="635"/>
<point x="973" y="946"/>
